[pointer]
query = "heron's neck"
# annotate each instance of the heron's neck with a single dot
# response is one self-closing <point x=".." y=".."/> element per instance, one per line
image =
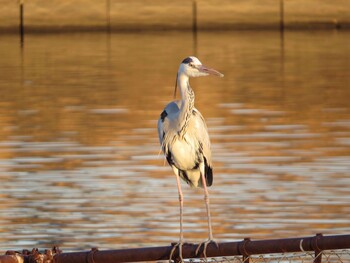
<point x="187" y="102"/>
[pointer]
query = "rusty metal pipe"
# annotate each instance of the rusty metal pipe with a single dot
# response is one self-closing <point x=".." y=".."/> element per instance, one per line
<point x="245" y="248"/>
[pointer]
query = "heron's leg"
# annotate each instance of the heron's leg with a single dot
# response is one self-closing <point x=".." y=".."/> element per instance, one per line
<point x="179" y="245"/>
<point x="181" y="201"/>
<point x="206" y="199"/>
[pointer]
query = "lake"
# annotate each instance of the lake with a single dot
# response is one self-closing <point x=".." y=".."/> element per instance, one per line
<point x="80" y="161"/>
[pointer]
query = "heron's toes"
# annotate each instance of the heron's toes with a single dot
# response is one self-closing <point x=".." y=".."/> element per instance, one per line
<point x="205" y="245"/>
<point x="175" y="246"/>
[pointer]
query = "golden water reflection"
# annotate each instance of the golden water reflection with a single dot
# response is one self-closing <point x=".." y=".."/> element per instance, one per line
<point x="79" y="154"/>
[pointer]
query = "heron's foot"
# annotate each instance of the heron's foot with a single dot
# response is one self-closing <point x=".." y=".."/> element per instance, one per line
<point x="179" y="246"/>
<point x="205" y="245"/>
<point x="175" y="246"/>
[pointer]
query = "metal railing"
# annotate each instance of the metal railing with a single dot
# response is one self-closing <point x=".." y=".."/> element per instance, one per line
<point x="242" y="251"/>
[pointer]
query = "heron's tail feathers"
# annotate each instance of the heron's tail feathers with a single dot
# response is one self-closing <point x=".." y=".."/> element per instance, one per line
<point x="193" y="177"/>
<point x="209" y="175"/>
<point x="208" y="171"/>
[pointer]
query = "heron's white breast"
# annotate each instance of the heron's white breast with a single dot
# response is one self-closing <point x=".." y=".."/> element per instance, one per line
<point x="184" y="153"/>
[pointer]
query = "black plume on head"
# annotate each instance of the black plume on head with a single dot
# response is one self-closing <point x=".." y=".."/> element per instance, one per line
<point x="187" y="60"/>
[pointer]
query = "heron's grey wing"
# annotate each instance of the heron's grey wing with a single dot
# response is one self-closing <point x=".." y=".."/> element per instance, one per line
<point x="202" y="134"/>
<point x="165" y="118"/>
<point x="161" y="131"/>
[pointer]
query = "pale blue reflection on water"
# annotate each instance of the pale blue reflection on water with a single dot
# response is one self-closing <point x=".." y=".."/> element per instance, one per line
<point x="79" y="154"/>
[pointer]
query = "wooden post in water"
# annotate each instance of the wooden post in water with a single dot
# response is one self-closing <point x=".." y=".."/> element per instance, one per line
<point x="108" y="15"/>
<point x="281" y="15"/>
<point x="194" y="16"/>
<point x="194" y="26"/>
<point x="21" y="22"/>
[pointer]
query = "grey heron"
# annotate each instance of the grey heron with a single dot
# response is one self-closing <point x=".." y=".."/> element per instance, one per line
<point x="184" y="140"/>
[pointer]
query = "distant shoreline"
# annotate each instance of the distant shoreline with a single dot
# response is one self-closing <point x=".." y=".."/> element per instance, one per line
<point x="42" y="16"/>
<point x="141" y="28"/>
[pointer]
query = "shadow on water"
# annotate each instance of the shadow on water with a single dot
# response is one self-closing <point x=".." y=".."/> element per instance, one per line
<point x="79" y="153"/>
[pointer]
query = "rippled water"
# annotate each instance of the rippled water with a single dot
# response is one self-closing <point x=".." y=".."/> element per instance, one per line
<point x="79" y="154"/>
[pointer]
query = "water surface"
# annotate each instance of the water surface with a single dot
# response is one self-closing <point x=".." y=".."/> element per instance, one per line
<point x="79" y="151"/>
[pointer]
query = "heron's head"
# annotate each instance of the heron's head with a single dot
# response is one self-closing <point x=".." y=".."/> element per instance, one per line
<point x="192" y="67"/>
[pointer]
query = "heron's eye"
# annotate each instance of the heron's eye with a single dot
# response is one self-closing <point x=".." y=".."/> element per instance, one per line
<point x="191" y="65"/>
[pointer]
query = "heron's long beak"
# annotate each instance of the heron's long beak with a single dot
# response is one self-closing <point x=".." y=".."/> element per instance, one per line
<point x="210" y="71"/>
